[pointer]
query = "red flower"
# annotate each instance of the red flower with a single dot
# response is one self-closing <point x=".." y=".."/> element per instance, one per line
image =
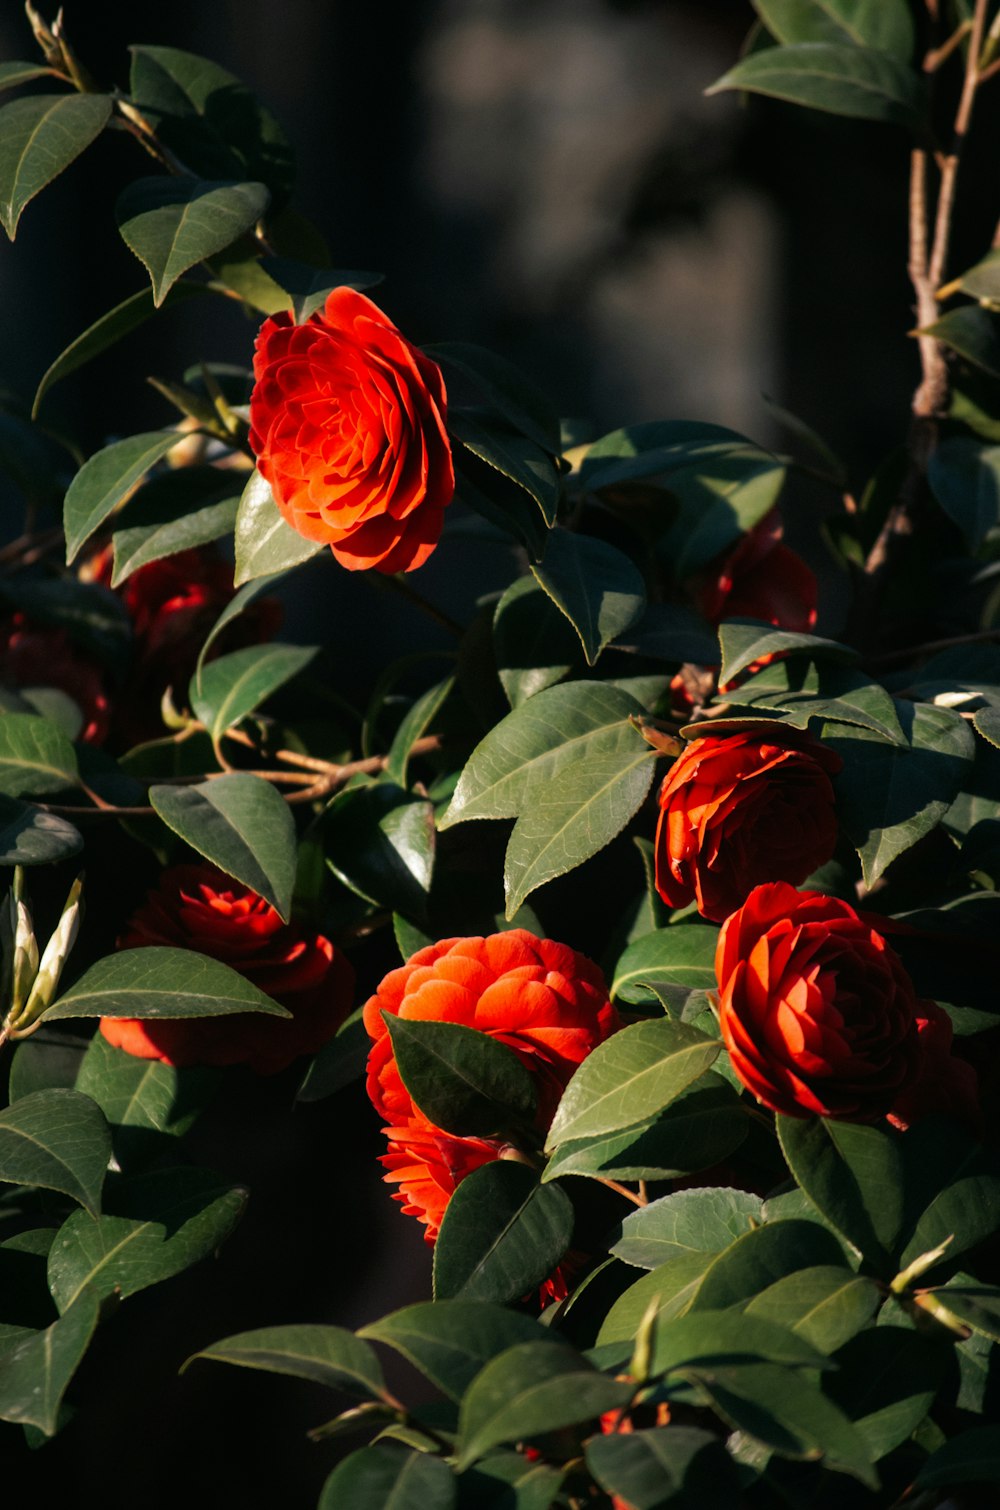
<point x="760" y="578"/>
<point x="43" y="655"/>
<point x="348" y="426"/>
<point x="740" y="809"/>
<point x="198" y="907"/>
<point x="816" y="1010"/>
<point x="542" y="999"/>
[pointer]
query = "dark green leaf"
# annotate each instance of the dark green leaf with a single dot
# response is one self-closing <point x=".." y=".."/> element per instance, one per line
<point x="507" y="1480"/>
<point x="883" y="24"/>
<point x="175" y="1217"/>
<point x="965" y="478"/>
<point x="502" y="1234"/>
<point x="827" y="1304"/>
<point x="451" y="1340"/>
<point x="339" y="1062"/>
<point x="416" y="723"/>
<point x="22" y="73"/>
<point x="462" y="1080"/>
<point x="514" y="456"/>
<point x="982" y="282"/>
<point x="141" y="543"/>
<point x="161" y="983"/>
<point x="506" y="390"/>
<point x="29" y="836"/>
<point x="39" y="137"/>
<point x="744" y="641"/>
<point x="35" y="1372"/>
<point x="986" y="722"/>
<point x="971" y="332"/>
<point x="973" y="1457"/>
<point x="105" y="479"/>
<point x="630" y="1077"/>
<point x="381" y="844"/>
<point x="666" y="1466"/>
<point x="35" y="756"/>
<point x="242" y="825"/>
<point x="885" y="1380"/>
<point x="596" y="587"/>
<point x="953" y="1182"/>
<point x="534" y="644"/>
<point x="172" y="223"/>
<point x="237" y="684"/>
<point x="762" y="1256"/>
<point x="726" y="1337"/>
<point x="326" y="1355"/>
<point x="59" y="1140"/>
<point x="854" y="1176"/>
<point x="854" y="81"/>
<point x="656" y="449"/>
<point x="265" y="545"/>
<point x="141" y="1094"/>
<point x="670" y="633"/>
<point x="532" y="1388"/>
<point x="689" y="1221"/>
<point x="384" y="1477"/>
<point x="673" y="1286"/>
<point x="671" y="961"/>
<point x="976" y="1306"/>
<point x="307" y="288"/>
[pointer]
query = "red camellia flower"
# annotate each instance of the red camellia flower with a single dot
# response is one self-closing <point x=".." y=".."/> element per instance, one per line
<point x="542" y="999"/>
<point x="198" y="907"/>
<point x="815" y="1008"/>
<point x="739" y="809"/>
<point x="43" y="655"/>
<point x="760" y="578"/>
<point x="348" y="426"/>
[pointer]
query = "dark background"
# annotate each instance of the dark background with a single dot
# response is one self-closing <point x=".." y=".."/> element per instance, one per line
<point x="546" y="178"/>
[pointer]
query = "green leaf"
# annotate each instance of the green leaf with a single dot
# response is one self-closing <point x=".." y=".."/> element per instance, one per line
<point x="689" y="1221"/>
<point x="463" y="1081"/>
<point x="105" y="480"/>
<point x="533" y="642"/>
<point x="954" y="1184"/>
<point x="326" y="1355"/>
<point x="826" y="1304"/>
<point x="886" y="1379"/>
<point x="265" y="545"/>
<point x="965" y="479"/>
<point x="209" y="118"/>
<point x="451" y="1340"/>
<point x="853" y="81"/>
<point x="972" y="1457"/>
<point x="507" y="1480"/>
<point x="854" y="1177"/>
<point x="161" y="983"/>
<point x="242" y="825"/>
<point x="883" y="24"/>
<point x="35" y="1372"/>
<point x="673" y="1287"/>
<point x="763" y="1255"/>
<point x="667" y="1465"/>
<point x="531" y="1389"/>
<point x="789" y="1415"/>
<point x="381" y="844"/>
<point x="29" y="836"/>
<point x="668" y="632"/>
<point x="339" y="1062"/>
<point x="307" y="288"/>
<point x="39" y="137"/>
<point x="976" y="1306"/>
<point x="887" y="797"/>
<point x="705" y="1124"/>
<point x="238" y="604"/>
<point x="237" y="684"/>
<point x="44" y="1062"/>
<point x="59" y="1140"/>
<point x="672" y="962"/>
<point x="177" y="528"/>
<point x="514" y="456"/>
<point x="415" y="724"/>
<point x="596" y="587"/>
<point x="22" y="73"/>
<point x="971" y="332"/>
<point x="657" y="449"/>
<point x="502" y="1234"/>
<point x="744" y="641"/>
<point x="570" y="766"/>
<point x="155" y="1226"/>
<point x="35" y="756"/>
<point x="982" y="281"/>
<point x="386" y="1477"/>
<point x="172" y="223"/>
<point x="107" y="331"/>
<point x="986" y="721"/>
<point x="727" y="1337"/>
<point x="630" y="1077"/>
<point x="144" y="1095"/>
<point x="505" y="389"/>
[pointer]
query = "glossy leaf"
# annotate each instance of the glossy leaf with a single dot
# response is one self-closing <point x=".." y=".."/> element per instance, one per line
<point x="965" y="478"/>
<point x="827" y="1304"/>
<point x="530" y="1389"/>
<point x="172" y="223"/>
<point x="40" y="135"/>
<point x="972" y="332"/>
<point x="745" y="641"/>
<point x="265" y="544"/>
<point x="59" y="1140"/>
<point x="326" y="1355"/>
<point x="630" y="1077"/>
<point x="339" y="1062"/>
<point x="853" y="81"/>
<point x="579" y="733"/>
<point x="763" y="1255"/>
<point x="29" y="836"/>
<point x="853" y="1175"/>
<point x="976" y="1306"/>
<point x="414" y="725"/>
<point x="35" y="756"/>
<point x="307" y="288"/>
<point x="596" y="587"/>
<point x="35" y="1372"/>
<point x="451" y="1340"/>
<point x="673" y="1287"/>
<point x="176" y="1217"/>
<point x="138" y="544"/>
<point x="669" y="632"/>
<point x="241" y="824"/>
<point x="665" y="1465"/>
<point x="883" y="24"/>
<point x="237" y="605"/>
<point x="726" y="1337"/>
<point x="886" y="1379"/>
<point x="502" y="1234"/>
<point x="506" y="390"/>
<point x="144" y="1095"/>
<point x="515" y="457"/>
<point x="973" y="1457"/>
<point x="982" y="281"/>
<point x="12" y="74"/>
<point x="105" y="479"/>
<point x="160" y="982"/>
<point x="463" y="1081"/>
<point x="689" y="1221"/>
<point x="381" y="844"/>
<point x="658" y="449"/>
<point x="672" y="962"/>
<point x="508" y="1480"/>
<point x="534" y="644"/>
<point x="385" y="1477"/>
<point x="237" y="684"/>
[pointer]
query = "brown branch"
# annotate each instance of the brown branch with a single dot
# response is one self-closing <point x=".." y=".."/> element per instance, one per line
<point x="637" y="1199"/>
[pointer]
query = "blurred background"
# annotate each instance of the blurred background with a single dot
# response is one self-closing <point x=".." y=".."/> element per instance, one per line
<point x="546" y="178"/>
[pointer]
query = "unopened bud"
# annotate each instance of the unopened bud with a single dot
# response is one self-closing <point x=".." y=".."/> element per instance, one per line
<point x="25" y="962"/>
<point x="53" y="960"/>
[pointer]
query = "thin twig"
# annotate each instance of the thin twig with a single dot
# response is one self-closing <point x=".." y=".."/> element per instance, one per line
<point x="635" y="1197"/>
<point x="929" y="647"/>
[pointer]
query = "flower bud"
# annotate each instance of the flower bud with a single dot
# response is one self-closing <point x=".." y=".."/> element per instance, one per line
<point x="56" y="954"/>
